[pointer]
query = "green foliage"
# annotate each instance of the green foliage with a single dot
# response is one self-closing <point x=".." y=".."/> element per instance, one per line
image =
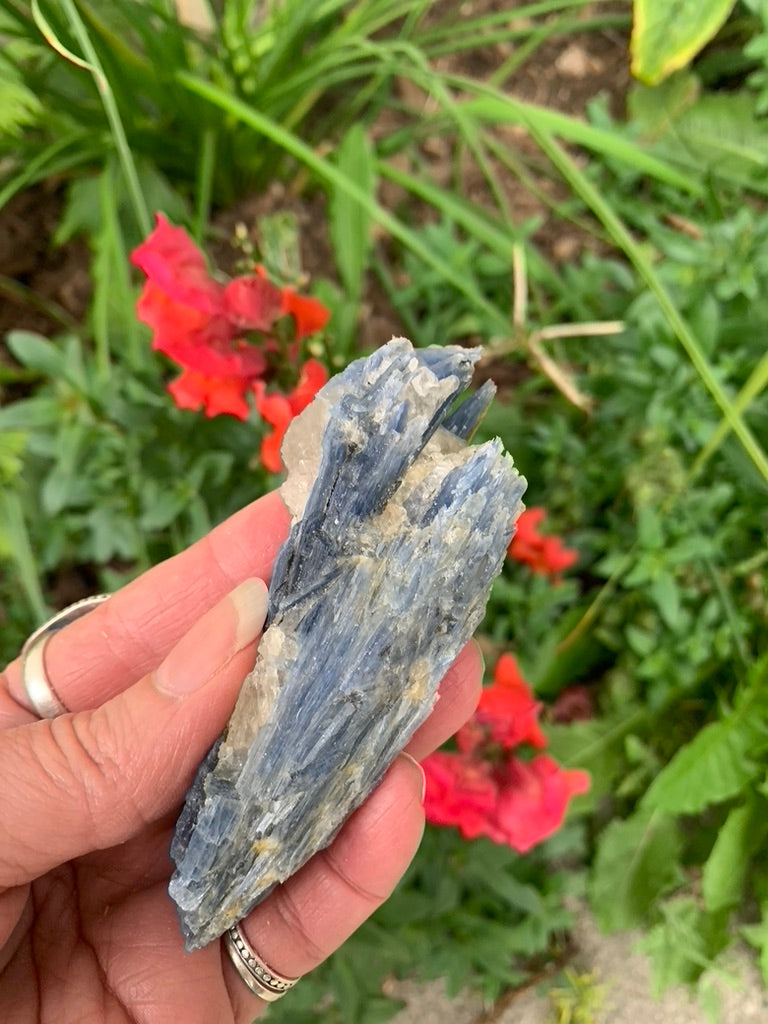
<point x="684" y="943"/>
<point x="497" y="915"/>
<point x="719" y="763"/>
<point x="669" y="610"/>
<point x="349" y="227"/>
<point x="637" y="862"/>
<point x="579" y="1001"/>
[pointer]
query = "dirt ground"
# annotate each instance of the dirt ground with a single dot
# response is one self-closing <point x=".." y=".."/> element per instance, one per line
<point x="618" y="979"/>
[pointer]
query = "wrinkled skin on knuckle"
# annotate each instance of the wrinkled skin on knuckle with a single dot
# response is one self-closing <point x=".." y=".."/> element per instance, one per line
<point x="91" y="762"/>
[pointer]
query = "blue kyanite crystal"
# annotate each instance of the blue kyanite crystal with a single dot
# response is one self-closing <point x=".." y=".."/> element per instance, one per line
<point x="399" y="529"/>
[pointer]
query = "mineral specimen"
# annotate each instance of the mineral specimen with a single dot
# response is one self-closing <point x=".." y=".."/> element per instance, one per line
<point x="398" y="531"/>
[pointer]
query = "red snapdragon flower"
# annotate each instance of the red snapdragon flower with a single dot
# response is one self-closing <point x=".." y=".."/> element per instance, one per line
<point x="309" y="314"/>
<point x="507" y="713"/>
<point x="278" y="410"/>
<point x="485" y="788"/>
<point x="460" y="791"/>
<point x="221" y="335"/>
<point x="533" y="798"/>
<point x="215" y="395"/>
<point x="546" y="555"/>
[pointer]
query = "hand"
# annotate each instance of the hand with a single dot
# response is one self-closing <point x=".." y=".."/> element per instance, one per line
<point x="88" y="801"/>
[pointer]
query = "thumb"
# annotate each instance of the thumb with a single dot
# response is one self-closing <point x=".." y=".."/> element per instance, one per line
<point x="91" y="780"/>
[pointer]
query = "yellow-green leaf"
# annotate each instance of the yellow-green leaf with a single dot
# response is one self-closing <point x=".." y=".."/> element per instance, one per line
<point x="667" y="34"/>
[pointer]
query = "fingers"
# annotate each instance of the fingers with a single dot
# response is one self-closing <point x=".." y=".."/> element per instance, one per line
<point x="308" y="917"/>
<point x="458" y="695"/>
<point x="101" y="775"/>
<point x="117" y="643"/>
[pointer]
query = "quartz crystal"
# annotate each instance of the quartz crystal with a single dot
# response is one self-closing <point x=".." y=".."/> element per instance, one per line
<point x="398" y="530"/>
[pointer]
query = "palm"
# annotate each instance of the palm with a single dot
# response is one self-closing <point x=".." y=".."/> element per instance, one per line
<point x="105" y="943"/>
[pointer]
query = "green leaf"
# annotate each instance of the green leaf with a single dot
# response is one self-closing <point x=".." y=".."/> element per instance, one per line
<point x="684" y="944"/>
<point x="350" y="223"/>
<point x="637" y="860"/>
<point x="726" y="866"/>
<point x="37" y="353"/>
<point x="30" y="414"/>
<point x="19" y="106"/>
<point x="594" y="746"/>
<point x="666" y="596"/>
<point x="12" y="444"/>
<point x="14" y="535"/>
<point x="713" y="767"/>
<point x="757" y="936"/>
<point x="719" y="762"/>
<point x="667" y="34"/>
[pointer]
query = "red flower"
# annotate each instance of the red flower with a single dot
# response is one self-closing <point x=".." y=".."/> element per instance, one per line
<point x="507" y="713"/>
<point x="278" y="410"/>
<point x="543" y="554"/>
<point x="519" y="803"/>
<point x="207" y="327"/>
<point x="309" y="314"/>
<point x="533" y="798"/>
<point x="460" y="791"/>
<point x="217" y="395"/>
<point x="197" y="321"/>
<point x="485" y="789"/>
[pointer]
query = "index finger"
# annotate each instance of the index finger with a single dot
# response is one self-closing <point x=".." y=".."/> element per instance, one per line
<point x="119" y="642"/>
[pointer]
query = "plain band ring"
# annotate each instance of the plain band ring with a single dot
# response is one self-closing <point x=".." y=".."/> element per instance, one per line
<point x="260" y="979"/>
<point x="41" y="694"/>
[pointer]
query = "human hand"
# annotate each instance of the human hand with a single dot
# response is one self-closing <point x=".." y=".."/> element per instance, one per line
<point x="88" y="801"/>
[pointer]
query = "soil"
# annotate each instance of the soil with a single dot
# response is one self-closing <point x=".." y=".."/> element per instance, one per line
<point x="44" y="286"/>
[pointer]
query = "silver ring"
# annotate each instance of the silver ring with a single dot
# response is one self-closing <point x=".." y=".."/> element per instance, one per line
<point x="260" y="979"/>
<point x="40" y="693"/>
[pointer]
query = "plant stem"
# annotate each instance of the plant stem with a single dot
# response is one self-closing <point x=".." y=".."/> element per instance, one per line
<point x="93" y="64"/>
<point x="204" y="182"/>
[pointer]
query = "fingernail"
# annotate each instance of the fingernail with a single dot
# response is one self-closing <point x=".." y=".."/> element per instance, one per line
<point x="476" y="642"/>
<point x="250" y="599"/>
<point x="227" y="628"/>
<point x="420" y="770"/>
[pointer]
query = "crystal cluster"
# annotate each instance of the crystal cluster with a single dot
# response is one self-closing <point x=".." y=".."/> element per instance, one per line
<point x="399" y="528"/>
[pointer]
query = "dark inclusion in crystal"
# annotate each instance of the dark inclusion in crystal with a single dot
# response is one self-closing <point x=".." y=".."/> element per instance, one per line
<point x="399" y="529"/>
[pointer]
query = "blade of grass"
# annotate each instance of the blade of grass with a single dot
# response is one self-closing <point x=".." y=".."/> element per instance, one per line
<point x="102" y="276"/>
<point x="563" y="26"/>
<point x="468" y="129"/>
<point x="329" y="173"/>
<point x="642" y="264"/>
<point x="447" y="30"/>
<point x="204" y="190"/>
<point x="122" y="292"/>
<point x="46" y="164"/>
<point x="755" y="385"/>
<point x="471" y="38"/>
<point x="93" y="65"/>
<point x="12" y="516"/>
<point x="465" y="215"/>
<point x="496" y="107"/>
<point x="455" y="208"/>
<point x="23" y="295"/>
